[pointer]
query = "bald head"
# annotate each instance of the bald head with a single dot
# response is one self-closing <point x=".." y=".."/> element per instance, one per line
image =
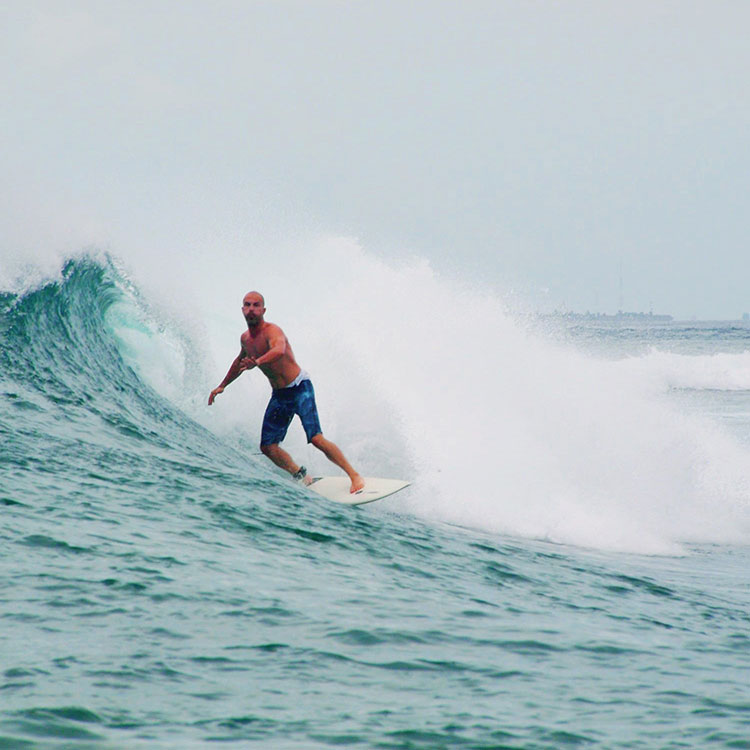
<point x="256" y="295"/>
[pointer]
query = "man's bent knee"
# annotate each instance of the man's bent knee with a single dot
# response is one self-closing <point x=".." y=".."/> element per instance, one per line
<point x="319" y="441"/>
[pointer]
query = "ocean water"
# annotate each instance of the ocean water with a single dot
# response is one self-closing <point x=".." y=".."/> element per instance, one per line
<point x="568" y="569"/>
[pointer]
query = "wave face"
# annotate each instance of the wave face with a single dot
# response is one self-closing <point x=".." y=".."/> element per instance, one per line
<point x="164" y="586"/>
<point x="75" y="409"/>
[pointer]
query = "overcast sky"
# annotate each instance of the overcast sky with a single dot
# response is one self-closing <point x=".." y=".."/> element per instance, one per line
<point x="549" y="147"/>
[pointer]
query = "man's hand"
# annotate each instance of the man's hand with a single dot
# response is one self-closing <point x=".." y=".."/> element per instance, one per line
<point x="214" y="393"/>
<point x="239" y="366"/>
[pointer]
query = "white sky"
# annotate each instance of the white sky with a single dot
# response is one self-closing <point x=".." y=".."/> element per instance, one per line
<point x="535" y="145"/>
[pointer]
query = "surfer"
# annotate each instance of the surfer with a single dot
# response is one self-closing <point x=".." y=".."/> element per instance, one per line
<point x="265" y="346"/>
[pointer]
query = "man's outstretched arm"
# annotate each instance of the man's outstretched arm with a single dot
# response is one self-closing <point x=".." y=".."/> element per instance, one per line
<point x="240" y="364"/>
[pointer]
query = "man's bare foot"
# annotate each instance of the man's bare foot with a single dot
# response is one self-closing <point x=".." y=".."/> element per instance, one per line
<point x="357" y="483"/>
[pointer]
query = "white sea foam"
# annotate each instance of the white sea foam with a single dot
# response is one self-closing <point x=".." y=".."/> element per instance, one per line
<point x="426" y="378"/>
<point x="721" y="371"/>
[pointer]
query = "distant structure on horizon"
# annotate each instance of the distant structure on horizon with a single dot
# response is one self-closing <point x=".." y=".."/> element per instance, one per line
<point x="619" y="317"/>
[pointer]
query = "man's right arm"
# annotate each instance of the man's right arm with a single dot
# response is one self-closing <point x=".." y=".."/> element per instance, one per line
<point x="237" y="367"/>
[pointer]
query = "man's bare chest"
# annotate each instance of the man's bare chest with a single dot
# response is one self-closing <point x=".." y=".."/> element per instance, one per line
<point x="255" y="346"/>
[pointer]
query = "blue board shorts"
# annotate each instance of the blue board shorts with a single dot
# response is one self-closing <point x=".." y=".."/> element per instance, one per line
<point x="284" y="404"/>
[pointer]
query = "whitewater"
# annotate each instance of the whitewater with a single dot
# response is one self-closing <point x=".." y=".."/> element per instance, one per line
<point x="567" y="569"/>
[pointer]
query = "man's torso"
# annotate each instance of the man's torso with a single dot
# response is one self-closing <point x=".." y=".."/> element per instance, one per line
<point x="255" y="344"/>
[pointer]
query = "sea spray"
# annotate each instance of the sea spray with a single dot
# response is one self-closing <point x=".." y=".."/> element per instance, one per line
<point x="504" y="430"/>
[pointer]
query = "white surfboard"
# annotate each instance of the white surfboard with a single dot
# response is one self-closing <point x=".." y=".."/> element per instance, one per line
<point x="337" y="489"/>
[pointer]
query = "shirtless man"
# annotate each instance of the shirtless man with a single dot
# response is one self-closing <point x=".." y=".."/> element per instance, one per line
<point x="264" y="345"/>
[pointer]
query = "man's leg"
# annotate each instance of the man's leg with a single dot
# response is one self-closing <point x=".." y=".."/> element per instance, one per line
<point x="279" y="414"/>
<point x="280" y="457"/>
<point x="333" y="453"/>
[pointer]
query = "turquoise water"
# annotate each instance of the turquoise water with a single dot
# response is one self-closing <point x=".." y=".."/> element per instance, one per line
<point x="162" y="586"/>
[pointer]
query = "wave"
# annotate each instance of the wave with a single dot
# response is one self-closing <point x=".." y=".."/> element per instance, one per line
<point x="417" y="376"/>
<point x="722" y="371"/>
<point x="59" y="345"/>
<point x="70" y="390"/>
